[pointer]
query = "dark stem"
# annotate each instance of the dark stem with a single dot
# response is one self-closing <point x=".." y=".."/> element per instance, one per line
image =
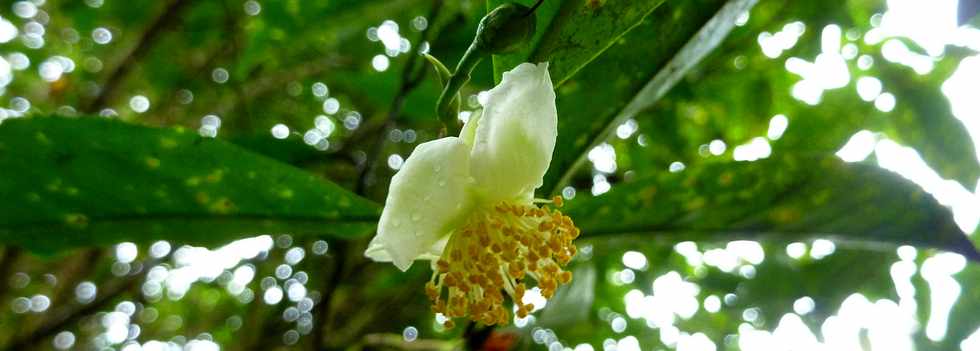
<point x="476" y="336"/>
<point x="459" y="78"/>
<point x="533" y="8"/>
<point x="9" y="261"/>
<point x="75" y="270"/>
<point x="68" y="315"/>
<point x="170" y="16"/>
<point x="410" y="79"/>
<point x="370" y="163"/>
<point x="166" y="112"/>
<point x="232" y="29"/>
<point x="321" y="313"/>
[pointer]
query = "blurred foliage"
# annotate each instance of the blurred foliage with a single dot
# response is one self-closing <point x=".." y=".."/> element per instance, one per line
<point x="778" y="199"/>
<point x="91" y="167"/>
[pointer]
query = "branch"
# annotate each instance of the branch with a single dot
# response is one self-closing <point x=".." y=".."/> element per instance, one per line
<point x="321" y="313"/>
<point x="269" y="84"/>
<point x="385" y="341"/>
<point x="167" y="19"/>
<point x="411" y="77"/>
<point x="7" y="264"/>
<point x="476" y="336"/>
<point x="71" y="314"/>
<point x="75" y="269"/>
<point x="232" y="27"/>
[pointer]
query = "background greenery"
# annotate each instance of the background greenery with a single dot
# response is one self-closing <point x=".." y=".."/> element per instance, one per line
<point x="132" y="130"/>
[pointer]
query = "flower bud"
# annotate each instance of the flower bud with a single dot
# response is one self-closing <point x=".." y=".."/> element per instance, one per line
<point x="505" y="29"/>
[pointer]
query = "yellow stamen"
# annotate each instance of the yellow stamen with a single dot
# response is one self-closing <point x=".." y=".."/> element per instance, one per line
<point x="491" y="254"/>
<point x="557" y="200"/>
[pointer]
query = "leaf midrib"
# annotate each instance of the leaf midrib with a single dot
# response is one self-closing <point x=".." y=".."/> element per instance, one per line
<point x="193" y="217"/>
<point x="673" y="71"/>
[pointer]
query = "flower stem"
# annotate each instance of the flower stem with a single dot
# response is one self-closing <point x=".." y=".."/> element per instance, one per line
<point x="460" y="77"/>
<point x="534" y="8"/>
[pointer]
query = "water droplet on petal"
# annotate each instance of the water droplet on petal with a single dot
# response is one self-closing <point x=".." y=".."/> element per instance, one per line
<point x="396" y="223"/>
<point x="416" y="217"/>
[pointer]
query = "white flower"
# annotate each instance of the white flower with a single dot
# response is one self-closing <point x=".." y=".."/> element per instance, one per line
<point x="468" y="203"/>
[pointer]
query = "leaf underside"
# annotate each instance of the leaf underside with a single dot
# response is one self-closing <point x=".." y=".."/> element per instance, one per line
<point x="782" y="199"/>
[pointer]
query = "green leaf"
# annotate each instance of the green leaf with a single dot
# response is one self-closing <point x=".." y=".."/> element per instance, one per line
<point x="572" y="303"/>
<point x="783" y="198"/>
<point x="92" y="181"/>
<point x="570" y="34"/>
<point x="962" y="318"/>
<point x="633" y="75"/>
<point x="291" y="150"/>
<point x="923" y="119"/>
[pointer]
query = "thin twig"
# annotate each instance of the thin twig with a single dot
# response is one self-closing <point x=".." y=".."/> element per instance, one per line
<point x="321" y="313"/>
<point x="266" y="85"/>
<point x="534" y="8"/>
<point x="394" y="341"/>
<point x="7" y="264"/>
<point x="169" y="16"/>
<point x="75" y="270"/>
<point x="68" y="315"/>
<point x="164" y="113"/>
<point x="410" y="79"/>
<point x="476" y="336"/>
<point x="232" y="26"/>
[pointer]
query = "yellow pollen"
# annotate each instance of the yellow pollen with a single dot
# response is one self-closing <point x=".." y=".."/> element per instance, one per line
<point x="493" y="253"/>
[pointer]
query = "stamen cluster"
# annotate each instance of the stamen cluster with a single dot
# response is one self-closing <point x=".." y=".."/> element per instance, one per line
<point x="494" y="252"/>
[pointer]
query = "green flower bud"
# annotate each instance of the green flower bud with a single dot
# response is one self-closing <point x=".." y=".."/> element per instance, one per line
<point x="505" y="29"/>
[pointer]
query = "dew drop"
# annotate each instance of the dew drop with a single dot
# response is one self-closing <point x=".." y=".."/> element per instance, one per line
<point x="416" y="217"/>
<point x="410" y="334"/>
<point x="396" y="223"/>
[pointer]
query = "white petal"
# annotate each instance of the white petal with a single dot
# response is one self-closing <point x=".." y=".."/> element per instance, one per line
<point x="468" y="133"/>
<point x="378" y="253"/>
<point x="426" y="200"/>
<point x="516" y="135"/>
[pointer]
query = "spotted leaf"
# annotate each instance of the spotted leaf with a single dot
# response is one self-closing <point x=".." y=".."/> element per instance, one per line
<point x="91" y="181"/>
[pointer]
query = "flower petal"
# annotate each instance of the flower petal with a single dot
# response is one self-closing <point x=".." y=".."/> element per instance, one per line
<point x="516" y="135"/>
<point x="377" y="252"/>
<point x="427" y="197"/>
<point x="468" y="133"/>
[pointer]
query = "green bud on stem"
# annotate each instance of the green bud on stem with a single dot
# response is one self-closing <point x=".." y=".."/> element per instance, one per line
<point x="505" y="29"/>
